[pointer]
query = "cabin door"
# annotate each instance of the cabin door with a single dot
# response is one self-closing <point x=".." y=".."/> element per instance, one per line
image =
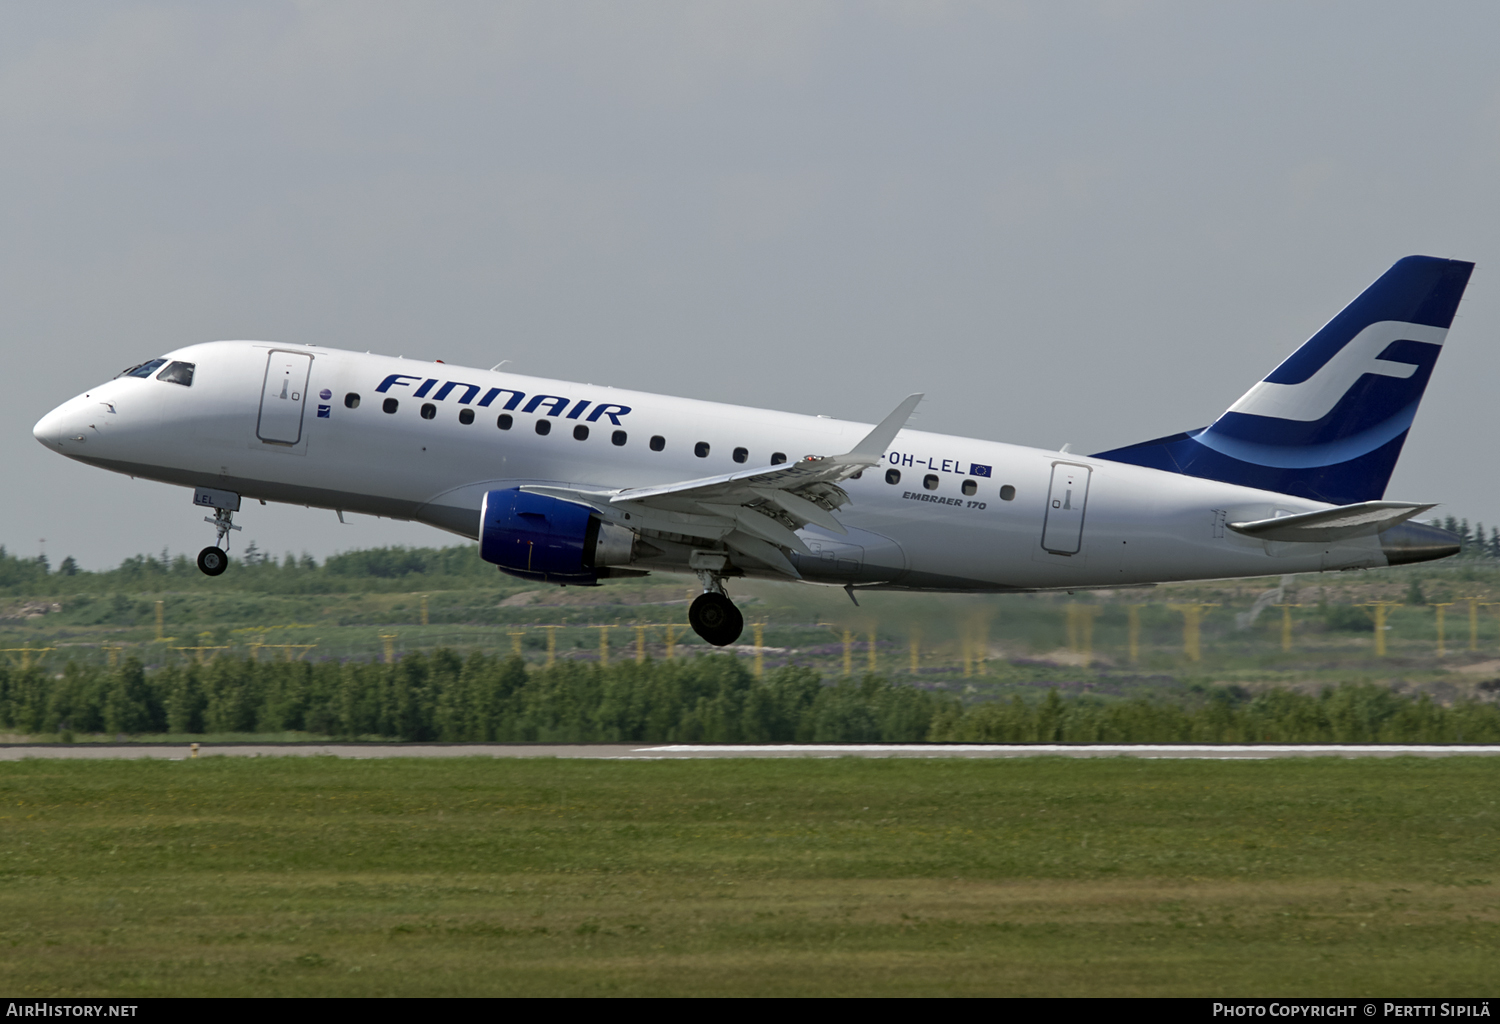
<point x="1062" y="531"/>
<point x="283" y="397"/>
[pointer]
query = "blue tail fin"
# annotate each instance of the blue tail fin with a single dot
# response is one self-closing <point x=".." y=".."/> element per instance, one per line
<point x="1329" y="422"/>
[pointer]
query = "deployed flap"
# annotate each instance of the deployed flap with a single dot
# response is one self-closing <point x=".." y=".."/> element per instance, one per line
<point x="755" y="511"/>
<point x="1362" y="520"/>
<point x="749" y="486"/>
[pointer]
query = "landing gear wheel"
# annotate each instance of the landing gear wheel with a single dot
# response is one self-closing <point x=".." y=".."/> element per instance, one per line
<point x="212" y="561"/>
<point x="715" y="618"/>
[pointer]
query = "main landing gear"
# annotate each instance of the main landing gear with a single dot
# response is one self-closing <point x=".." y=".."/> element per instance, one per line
<point x="213" y="560"/>
<point x="712" y="615"/>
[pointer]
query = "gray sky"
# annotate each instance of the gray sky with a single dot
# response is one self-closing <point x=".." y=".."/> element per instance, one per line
<point x="1092" y="222"/>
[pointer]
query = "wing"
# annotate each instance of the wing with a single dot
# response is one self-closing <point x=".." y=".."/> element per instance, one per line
<point x="754" y="511"/>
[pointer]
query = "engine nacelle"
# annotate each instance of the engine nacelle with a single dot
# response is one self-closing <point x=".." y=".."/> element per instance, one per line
<point x="549" y="540"/>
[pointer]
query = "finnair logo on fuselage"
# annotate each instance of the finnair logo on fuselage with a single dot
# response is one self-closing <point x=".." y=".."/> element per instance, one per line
<point x="548" y="405"/>
<point x="1312" y="399"/>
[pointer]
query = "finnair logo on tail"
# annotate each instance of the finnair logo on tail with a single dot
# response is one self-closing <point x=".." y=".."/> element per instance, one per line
<point x="1315" y="397"/>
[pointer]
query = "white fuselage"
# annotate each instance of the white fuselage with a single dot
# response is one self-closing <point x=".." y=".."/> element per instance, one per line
<point x="1126" y="525"/>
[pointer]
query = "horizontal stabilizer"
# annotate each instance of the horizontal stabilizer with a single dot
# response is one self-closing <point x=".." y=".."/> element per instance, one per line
<point x="1365" y="519"/>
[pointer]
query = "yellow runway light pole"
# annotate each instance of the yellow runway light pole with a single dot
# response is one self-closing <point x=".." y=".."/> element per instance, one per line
<point x="1441" y="608"/>
<point x="603" y="646"/>
<point x="916" y="649"/>
<point x="1381" y="628"/>
<point x="515" y="644"/>
<point x="1474" y="605"/>
<point x="551" y="646"/>
<point x="1192" y="622"/>
<point x="1286" y="626"/>
<point x="640" y="645"/>
<point x="389" y="640"/>
<point x="1081" y="631"/>
<point x="760" y="651"/>
<point x="849" y="654"/>
<point x="671" y="641"/>
<point x="26" y="653"/>
<point x="871" y="667"/>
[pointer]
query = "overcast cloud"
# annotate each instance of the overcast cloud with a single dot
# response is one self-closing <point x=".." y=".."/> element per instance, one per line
<point x="1091" y="223"/>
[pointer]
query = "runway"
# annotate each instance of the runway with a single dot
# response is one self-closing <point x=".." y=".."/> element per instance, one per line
<point x="685" y="751"/>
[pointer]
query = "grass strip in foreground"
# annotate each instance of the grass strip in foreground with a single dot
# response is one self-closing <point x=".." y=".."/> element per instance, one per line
<point x="1029" y="877"/>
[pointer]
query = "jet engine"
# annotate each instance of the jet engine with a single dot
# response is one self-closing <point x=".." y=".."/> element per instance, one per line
<point x="550" y="540"/>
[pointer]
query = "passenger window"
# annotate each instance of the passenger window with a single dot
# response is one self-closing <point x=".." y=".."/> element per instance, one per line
<point x="701" y="449"/>
<point x="777" y="458"/>
<point x="428" y="410"/>
<point x="930" y="481"/>
<point x="658" y="443"/>
<point x="970" y="487"/>
<point x="544" y="427"/>
<point x="580" y="433"/>
<point x="351" y="401"/>
<point x="893" y="476"/>
<point x="1007" y="493"/>
<point x="143" y="369"/>
<point x="178" y="373"/>
<point x="390" y="405"/>
<point x="504" y="421"/>
<point x="617" y="439"/>
<point x="741" y="454"/>
<point x="466" y="416"/>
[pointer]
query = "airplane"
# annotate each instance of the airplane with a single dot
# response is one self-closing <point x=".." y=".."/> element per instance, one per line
<point x="572" y="483"/>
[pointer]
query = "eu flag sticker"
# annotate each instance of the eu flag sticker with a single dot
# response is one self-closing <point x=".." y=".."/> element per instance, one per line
<point x="326" y="412"/>
<point x="975" y="469"/>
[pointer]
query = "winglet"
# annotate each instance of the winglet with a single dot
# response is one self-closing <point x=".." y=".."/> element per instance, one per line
<point x="878" y="440"/>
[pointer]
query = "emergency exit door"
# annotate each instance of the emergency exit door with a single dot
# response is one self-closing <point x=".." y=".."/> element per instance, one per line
<point x="1062" y="531"/>
<point x="283" y="397"/>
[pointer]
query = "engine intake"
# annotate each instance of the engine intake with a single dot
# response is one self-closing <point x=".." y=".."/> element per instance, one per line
<point x="549" y="540"/>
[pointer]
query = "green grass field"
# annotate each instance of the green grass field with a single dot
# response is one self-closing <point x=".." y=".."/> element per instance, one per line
<point x="290" y="876"/>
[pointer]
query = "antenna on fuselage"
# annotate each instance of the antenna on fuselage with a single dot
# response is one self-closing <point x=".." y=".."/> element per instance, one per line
<point x="498" y="365"/>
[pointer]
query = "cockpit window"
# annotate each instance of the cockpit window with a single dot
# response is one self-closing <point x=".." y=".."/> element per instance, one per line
<point x="143" y="369"/>
<point x="178" y="373"/>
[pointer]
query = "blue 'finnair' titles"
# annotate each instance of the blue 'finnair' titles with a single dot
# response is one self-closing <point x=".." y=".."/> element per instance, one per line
<point x="1290" y="479"/>
<point x="1329" y="422"/>
<point x="550" y="405"/>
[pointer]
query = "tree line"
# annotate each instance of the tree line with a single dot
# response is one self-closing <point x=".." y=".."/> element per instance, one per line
<point x="713" y="699"/>
<point x="254" y="570"/>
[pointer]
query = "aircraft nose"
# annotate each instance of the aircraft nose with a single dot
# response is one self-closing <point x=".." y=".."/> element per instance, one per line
<point x="49" y="428"/>
<point x="63" y="428"/>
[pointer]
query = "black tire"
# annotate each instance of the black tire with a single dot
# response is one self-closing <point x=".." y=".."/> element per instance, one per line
<point x="715" y="618"/>
<point x="212" y="561"/>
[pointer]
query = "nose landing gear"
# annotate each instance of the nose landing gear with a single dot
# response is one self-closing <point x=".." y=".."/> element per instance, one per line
<point x="712" y="615"/>
<point x="213" y="560"/>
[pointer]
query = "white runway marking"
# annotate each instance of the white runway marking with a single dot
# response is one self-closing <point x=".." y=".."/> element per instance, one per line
<point x="1219" y="751"/>
<point x="684" y="751"/>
